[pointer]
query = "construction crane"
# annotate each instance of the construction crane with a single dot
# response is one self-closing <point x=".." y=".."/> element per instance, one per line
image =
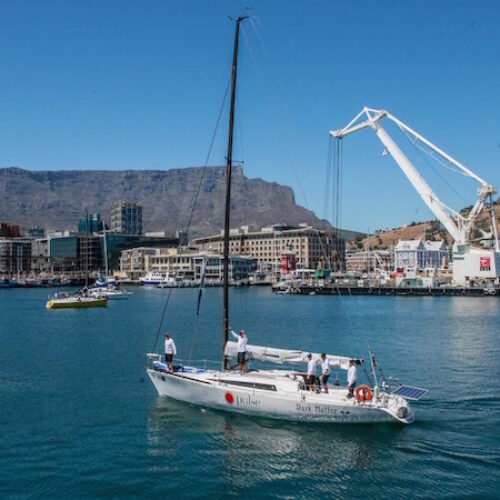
<point x="470" y="264"/>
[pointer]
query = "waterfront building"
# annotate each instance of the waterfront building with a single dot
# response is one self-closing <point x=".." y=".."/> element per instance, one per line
<point x="134" y="262"/>
<point x="8" y="230"/>
<point x="420" y="255"/>
<point x="94" y="224"/>
<point x="312" y="247"/>
<point x="183" y="263"/>
<point x="15" y="256"/>
<point x="364" y="261"/>
<point x="74" y="252"/>
<point x="36" y="232"/>
<point x="40" y="255"/>
<point x="126" y="218"/>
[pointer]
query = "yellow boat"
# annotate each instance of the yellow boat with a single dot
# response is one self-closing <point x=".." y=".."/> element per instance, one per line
<point x="79" y="301"/>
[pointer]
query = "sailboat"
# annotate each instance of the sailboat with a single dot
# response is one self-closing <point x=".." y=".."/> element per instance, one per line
<point x="107" y="286"/>
<point x="82" y="298"/>
<point x="276" y="393"/>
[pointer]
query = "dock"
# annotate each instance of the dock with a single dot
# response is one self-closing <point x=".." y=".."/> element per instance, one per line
<point x="330" y="289"/>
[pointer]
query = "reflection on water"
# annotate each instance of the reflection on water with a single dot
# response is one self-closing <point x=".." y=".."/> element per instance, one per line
<point x="253" y="451"/>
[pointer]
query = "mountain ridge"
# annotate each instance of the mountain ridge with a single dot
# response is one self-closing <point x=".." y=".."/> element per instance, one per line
<point x="56" y="199"/>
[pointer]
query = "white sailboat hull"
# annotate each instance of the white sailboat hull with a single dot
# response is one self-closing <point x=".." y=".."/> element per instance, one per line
<point x="219" y="390"/>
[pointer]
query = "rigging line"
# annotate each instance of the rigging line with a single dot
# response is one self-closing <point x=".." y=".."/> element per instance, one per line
<point x="437" y="157"/>
<point x="328" y="180"/>
<point x="195" y="199"/>
<point x="421" y="149"/>
<point x="278" y="126"/>
<point x="162" y="318"/>
<point x="273" y="114"/>
<point x="277" y="85"/>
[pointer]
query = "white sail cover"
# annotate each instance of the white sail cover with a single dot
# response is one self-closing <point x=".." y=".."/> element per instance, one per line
<point x="281" y="356"/>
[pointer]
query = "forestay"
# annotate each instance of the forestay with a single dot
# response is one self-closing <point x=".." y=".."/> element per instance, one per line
<point x="281" y="356"/>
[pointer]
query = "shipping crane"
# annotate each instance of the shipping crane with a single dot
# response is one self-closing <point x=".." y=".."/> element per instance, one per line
<point x="470" y="264"/>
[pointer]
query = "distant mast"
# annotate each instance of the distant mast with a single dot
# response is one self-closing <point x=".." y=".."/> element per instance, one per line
<point x="229" y="164"/>
<point x="87" y="247"/>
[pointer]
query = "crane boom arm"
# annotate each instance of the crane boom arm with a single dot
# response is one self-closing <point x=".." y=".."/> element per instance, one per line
<point x="458" y="227"/>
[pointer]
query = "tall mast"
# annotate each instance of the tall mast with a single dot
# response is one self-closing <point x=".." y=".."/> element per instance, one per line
<point x="87" y="247"/>
<point x="229" y="164"/>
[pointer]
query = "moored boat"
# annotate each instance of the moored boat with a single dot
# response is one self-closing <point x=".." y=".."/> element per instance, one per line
<point x="78" y="300"/>
<point x="155" y="278"/>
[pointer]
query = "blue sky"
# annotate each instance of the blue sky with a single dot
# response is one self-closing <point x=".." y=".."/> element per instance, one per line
<point x="138" y="85"/>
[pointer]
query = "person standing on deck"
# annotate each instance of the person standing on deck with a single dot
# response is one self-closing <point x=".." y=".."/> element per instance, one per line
<point x="242" y="348"/>
<point x="325" y="371"/>
<point x="311" y="372"/>
<point x="351" y="378"/>
<point x="170" y="352"/>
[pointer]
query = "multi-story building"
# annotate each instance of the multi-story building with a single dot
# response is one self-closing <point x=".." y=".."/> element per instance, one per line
<point x="94" y="224"/>
<point x="420" y="255"/>
<point x="363" y="261"/>
<point x="40" y="255"/>
<point x="15" y="256"/>
<point x="8" y="230"/>
<point x="182" y="263"/>
<point x="66" y="252"/>
<point x="134" y="262"/>
<point x="126" y="218"/>
<point x="312" y="247"/>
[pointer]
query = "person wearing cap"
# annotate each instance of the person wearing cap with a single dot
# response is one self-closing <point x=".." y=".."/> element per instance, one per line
<point x="311" y="372"/>
<point x="242" y="348"/>
<point x="351" y="378"/>
<point x="170" y="352"/>
<point x="325" y="371"/>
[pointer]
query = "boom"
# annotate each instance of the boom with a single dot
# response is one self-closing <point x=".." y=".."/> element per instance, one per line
<point x="455" y="223"/>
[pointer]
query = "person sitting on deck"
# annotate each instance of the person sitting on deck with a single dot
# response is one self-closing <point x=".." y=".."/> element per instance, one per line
<point x="242" y="348"/>
<point x="311" y="372"/>
<point x="351" y="378"/>
<point x="325" y="371"/>
<point x="170" y="352"/>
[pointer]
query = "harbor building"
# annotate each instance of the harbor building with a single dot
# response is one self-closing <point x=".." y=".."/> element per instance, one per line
<point x="420" y="255"/>
<point x="8" y="230"/>
<point x="36" y="232"/>
<point x="183" y="264"/>
<point x="72" y="253"/>
<point x="312" y="247"/>
<point x="15" y="256"/>
<point x="126" y="218"/>
<point x="134" y="262"/>
<point x="94" y="224"/>
<point x="365" y="261"/>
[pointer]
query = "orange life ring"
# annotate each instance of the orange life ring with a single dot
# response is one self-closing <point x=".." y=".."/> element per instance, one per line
<point x="363" y="393"/>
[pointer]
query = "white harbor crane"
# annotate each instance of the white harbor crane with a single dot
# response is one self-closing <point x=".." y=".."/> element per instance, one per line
<point x="470" y="263"/>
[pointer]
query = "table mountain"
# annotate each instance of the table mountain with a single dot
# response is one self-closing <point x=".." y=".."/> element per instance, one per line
<point x="57" y="199"/>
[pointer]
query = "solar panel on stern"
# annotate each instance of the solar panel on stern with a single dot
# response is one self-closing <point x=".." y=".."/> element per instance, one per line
<point x="408" y="392"/>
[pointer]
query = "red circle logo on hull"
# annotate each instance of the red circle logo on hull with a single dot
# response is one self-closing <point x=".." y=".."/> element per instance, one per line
<point x="229" y="398"/>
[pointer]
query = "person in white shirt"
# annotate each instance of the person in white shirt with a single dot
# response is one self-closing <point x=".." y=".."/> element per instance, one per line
<point x="351" y="378"/>
<point x="242" y="348"/>
<point x="325" y="371"/>
<point x="311" y="372"/>
<point x="170" y="352"/>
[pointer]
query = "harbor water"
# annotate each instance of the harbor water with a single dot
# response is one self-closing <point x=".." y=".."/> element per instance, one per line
<point x="79" y="417"/>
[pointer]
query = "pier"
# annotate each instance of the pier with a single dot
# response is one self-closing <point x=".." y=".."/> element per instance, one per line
<point x="388" y="291"/>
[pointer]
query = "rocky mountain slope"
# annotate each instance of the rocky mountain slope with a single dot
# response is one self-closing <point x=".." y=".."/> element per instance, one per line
<point x="57" y="199"/>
